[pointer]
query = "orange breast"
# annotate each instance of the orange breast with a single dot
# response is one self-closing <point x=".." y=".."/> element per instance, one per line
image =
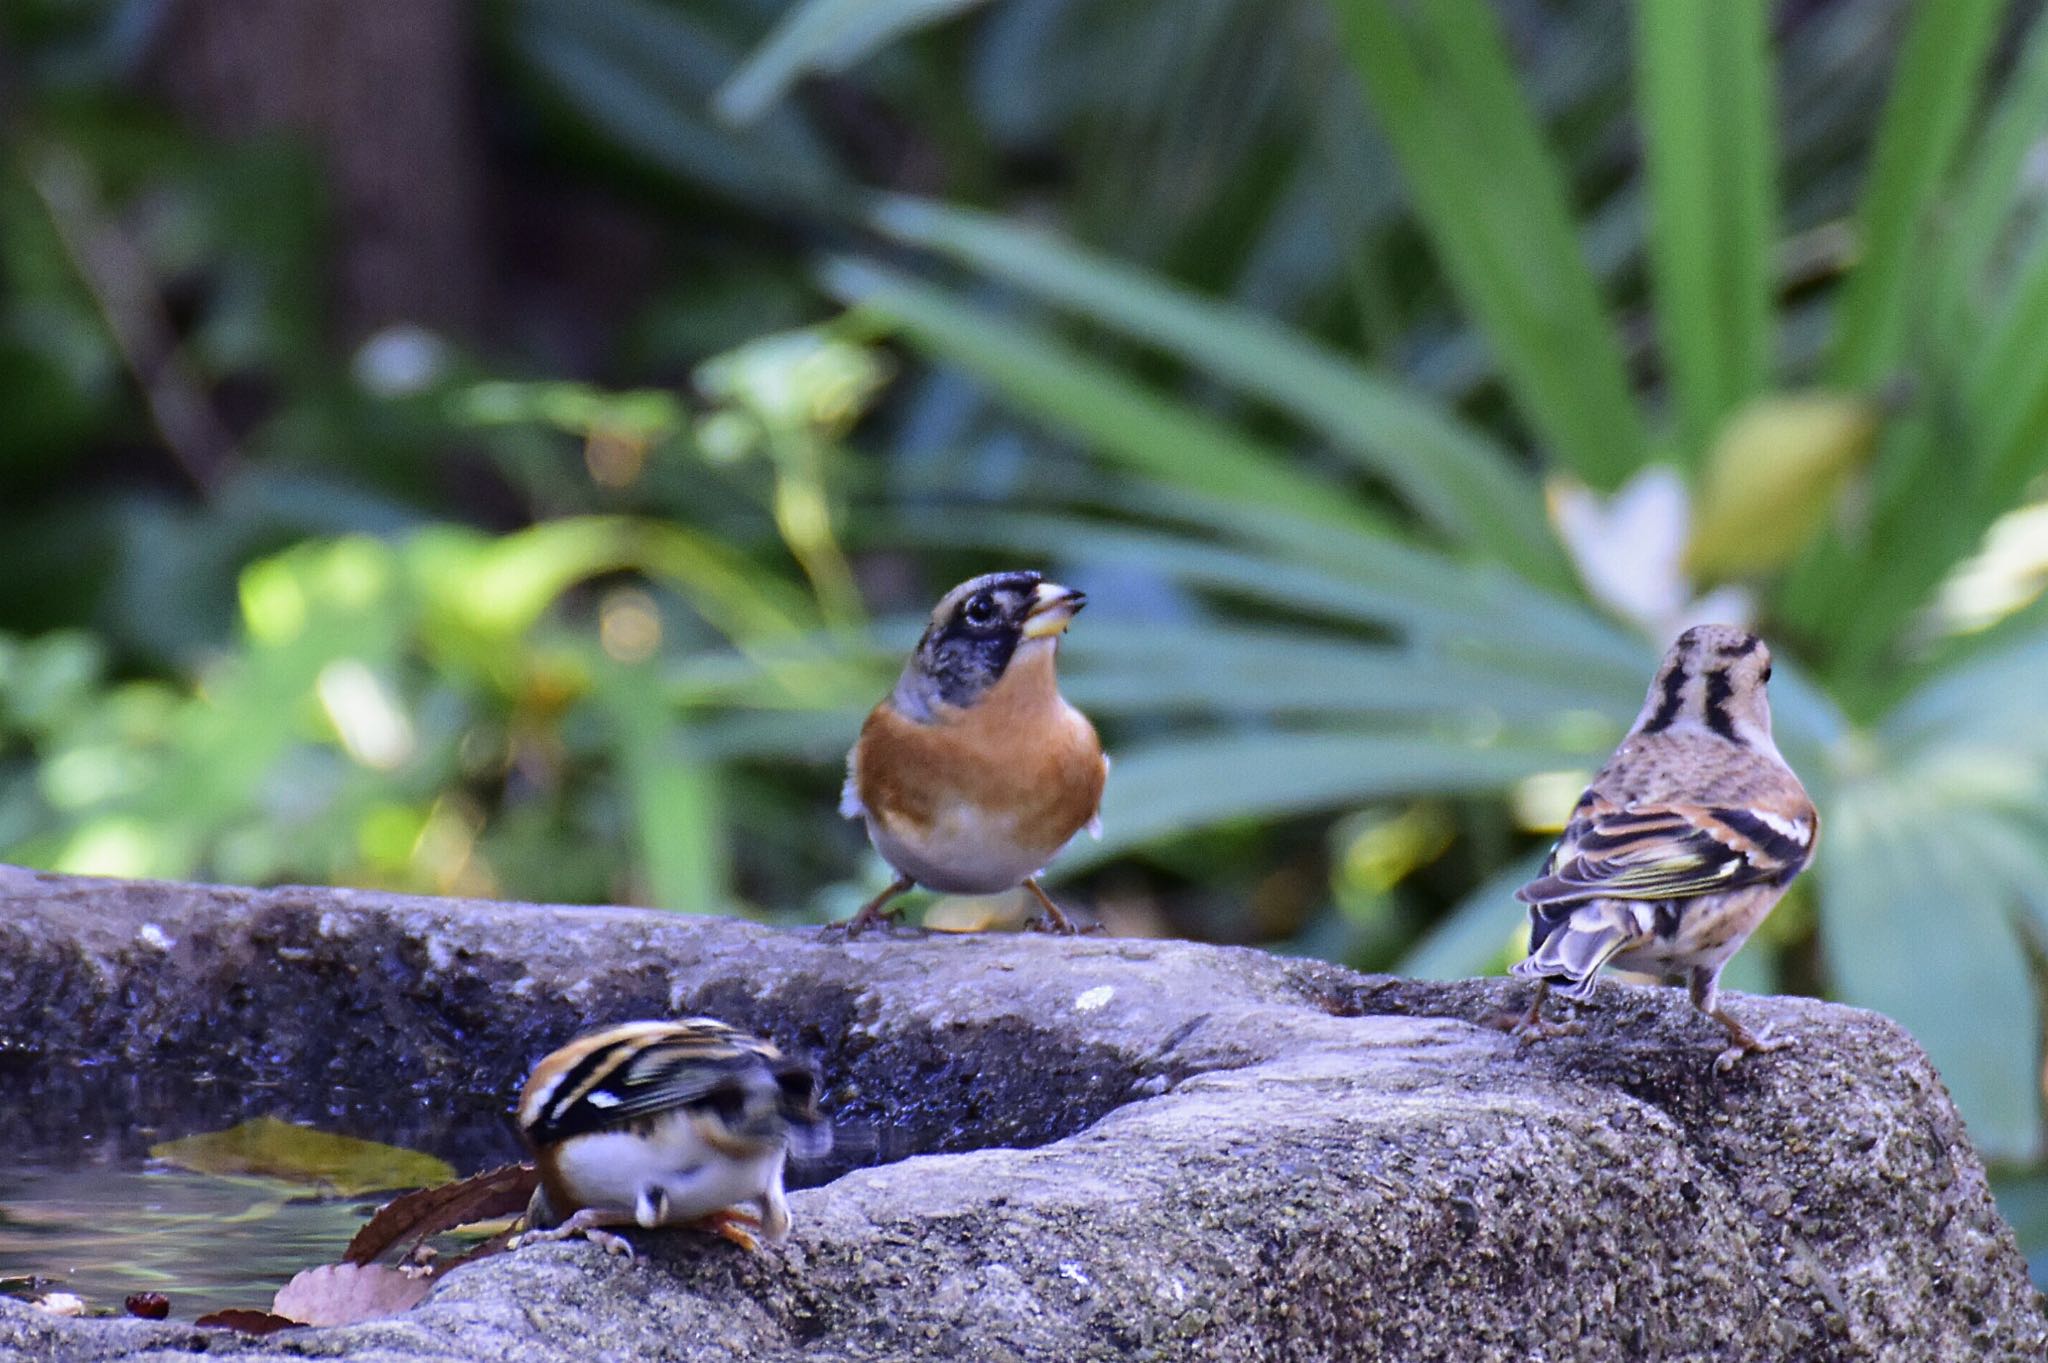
<point x="1021" y="758"/>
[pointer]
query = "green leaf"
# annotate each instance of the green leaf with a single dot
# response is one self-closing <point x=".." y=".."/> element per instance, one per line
<point x="1482" y="930"/>
<point x="672" y="793"/>
<point x="1495" y="205"/>
<point x="1453" y="475"/>
<point x="1150" y="669"/>
<point x="1980" y="214"/>
<point x="1914" y="929"/>
<point x="1704" y="86"/>
<point x="270" y="1148"/>
<point x="1934" y="89"/>
<point x="823" y="35"/>
<point x="645" y="73"/>
<point x="1179" y="786"/>
<point x="1121" y="420"/>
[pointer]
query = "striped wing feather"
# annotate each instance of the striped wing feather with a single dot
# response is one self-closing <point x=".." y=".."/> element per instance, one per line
<point x="1675" y="851"/>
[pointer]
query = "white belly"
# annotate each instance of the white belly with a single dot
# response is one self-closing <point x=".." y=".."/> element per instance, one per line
<point x="967" y="851"/>
<point x="612" y="1169"/>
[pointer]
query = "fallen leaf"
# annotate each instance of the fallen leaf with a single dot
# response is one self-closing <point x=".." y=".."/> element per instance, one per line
<point x="248" y="1322"/>
<point x="418" y="1217"/>
<point x="344" y="1164"/>
<point x="148" y="1305"/>
<point x="342" y="1294"/>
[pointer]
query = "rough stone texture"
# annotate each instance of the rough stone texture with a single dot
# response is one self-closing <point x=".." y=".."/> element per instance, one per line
<point x="1159" y="1150"/>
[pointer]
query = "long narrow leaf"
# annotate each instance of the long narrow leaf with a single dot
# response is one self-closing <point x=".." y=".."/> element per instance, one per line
<point x="1934" y="89"/>
<point x="1496" y="209"/>
<point x="1705" y="92"/>
<point x="673" y="795"/>
<point x="822" y="35"/>
<point x="1980" y="216"/>
<point x="1122" y="420"/>
<point x="1184" y="785"/>
<point x="1450" y="473"/>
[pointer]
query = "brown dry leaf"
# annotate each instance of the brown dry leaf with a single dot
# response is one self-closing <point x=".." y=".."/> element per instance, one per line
<point x="342" y="1294"/>
<point x="349" y="1166"/>
<point x="418" y="1217"/>
<point x="248" y="1322"/>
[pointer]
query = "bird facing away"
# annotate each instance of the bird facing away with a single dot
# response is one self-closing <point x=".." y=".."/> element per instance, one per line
<point x="1685" y="840"/>
<point x="664" y="1124"/>
<point x="974" y="772"/>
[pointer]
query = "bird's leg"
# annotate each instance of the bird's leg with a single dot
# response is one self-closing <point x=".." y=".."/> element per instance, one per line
<point x="1530" y="1025"/>
<point x="734" y="1225"/>
<point x="1054" y="920"/>
<point x="872" y="912"/>
<point x="587" y="1224"/>
<point x="1706" y="992"/>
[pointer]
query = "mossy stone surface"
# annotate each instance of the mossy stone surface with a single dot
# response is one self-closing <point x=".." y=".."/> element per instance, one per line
<point x="1061" y="1149"/>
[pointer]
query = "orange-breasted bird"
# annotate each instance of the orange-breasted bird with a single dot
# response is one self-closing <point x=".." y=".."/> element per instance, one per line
<point x="666" y="1124"/>
<point x="1682" y="844"/>
<point x="974" y="771"/>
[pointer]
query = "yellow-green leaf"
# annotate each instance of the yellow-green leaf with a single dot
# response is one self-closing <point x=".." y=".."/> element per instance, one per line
<point x="277" y="1149"/>
<point x="1775" y="468"/>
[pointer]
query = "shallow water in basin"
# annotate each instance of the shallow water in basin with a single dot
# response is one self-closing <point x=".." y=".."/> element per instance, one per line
<point x="206" y="1241"/>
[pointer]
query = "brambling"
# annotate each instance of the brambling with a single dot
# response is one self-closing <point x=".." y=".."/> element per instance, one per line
<point x="974" y="772"/>
<point x="1685" y="840"/>
<point x="663" y="1124"/>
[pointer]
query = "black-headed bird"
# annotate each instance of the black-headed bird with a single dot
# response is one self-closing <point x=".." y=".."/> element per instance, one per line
<point x="666" y="1124"/>
<point x="1682" y="844"/>
<point x="974" y="771"/>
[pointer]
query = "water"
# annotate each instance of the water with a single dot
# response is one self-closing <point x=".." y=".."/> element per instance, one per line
<point x="104" y="1230"/>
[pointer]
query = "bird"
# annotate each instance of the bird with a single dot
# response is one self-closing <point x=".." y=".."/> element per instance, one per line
<point x="664" y="1124"/>
<point x="974" y="771"/>
<point x="1681" y="845"/>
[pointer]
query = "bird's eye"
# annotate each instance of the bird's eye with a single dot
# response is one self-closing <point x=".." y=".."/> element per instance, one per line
<point x="799" y="1088"/>
<point x="980" y="609"/>
<point x="1765" y="675"/>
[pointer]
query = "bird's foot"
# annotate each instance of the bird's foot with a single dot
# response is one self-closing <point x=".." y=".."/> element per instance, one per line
<point x="1744" y="1042"/>
<point x="1062" y="926"/>
<point x="871" y="913"/>
<point x="737" y="1226"/>
<point x="1053" y="920"/>
<point x="1527" y="1027"/>
<point x="853" y="927"/>
<point x="587" y="1224"/>
<point x="1530" y="1024"/>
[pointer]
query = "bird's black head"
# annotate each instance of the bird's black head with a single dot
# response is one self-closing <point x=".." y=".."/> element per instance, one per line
<point x="976" y="630"/>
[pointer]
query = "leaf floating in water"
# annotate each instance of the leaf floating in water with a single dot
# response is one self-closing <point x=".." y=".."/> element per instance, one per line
<point x="148" y="1305"/>
<point x="342" y="1294"/>
<point x="421" y="1216"/>
<point x="267" y="1146"/>
<point x="248" y="1322"/>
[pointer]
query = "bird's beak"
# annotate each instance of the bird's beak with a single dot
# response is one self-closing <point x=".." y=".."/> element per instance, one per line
<point x="1051" y="610"/>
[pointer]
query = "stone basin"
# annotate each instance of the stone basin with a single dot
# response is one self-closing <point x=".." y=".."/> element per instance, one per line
<point x="1055" y="1148"/>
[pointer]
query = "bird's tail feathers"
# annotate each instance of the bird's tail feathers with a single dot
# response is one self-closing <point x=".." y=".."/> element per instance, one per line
<point x="1575" y="949"/>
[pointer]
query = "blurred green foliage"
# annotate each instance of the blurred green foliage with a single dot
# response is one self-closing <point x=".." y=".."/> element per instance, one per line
<point x="1397" y="378"/>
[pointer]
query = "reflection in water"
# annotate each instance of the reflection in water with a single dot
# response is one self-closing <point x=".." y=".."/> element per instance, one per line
<point x="205" y="1241"/>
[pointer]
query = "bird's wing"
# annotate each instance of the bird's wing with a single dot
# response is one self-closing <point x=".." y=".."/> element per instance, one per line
<point x="1673" y="851"/>
<point x="1094" y="824"/>
<point x="612" y="1085"/>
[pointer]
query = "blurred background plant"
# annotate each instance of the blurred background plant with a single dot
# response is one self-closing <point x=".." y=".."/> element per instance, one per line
<point x="456" y="446"/>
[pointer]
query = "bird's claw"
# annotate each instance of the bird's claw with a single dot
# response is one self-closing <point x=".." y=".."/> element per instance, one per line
<point x="1061" y="926"/>
<point x="735" y="1226"/>
<point x="608" y="1241"/>
<point x="1749" y="1044"/>
<point x="1526" y="1029"/>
